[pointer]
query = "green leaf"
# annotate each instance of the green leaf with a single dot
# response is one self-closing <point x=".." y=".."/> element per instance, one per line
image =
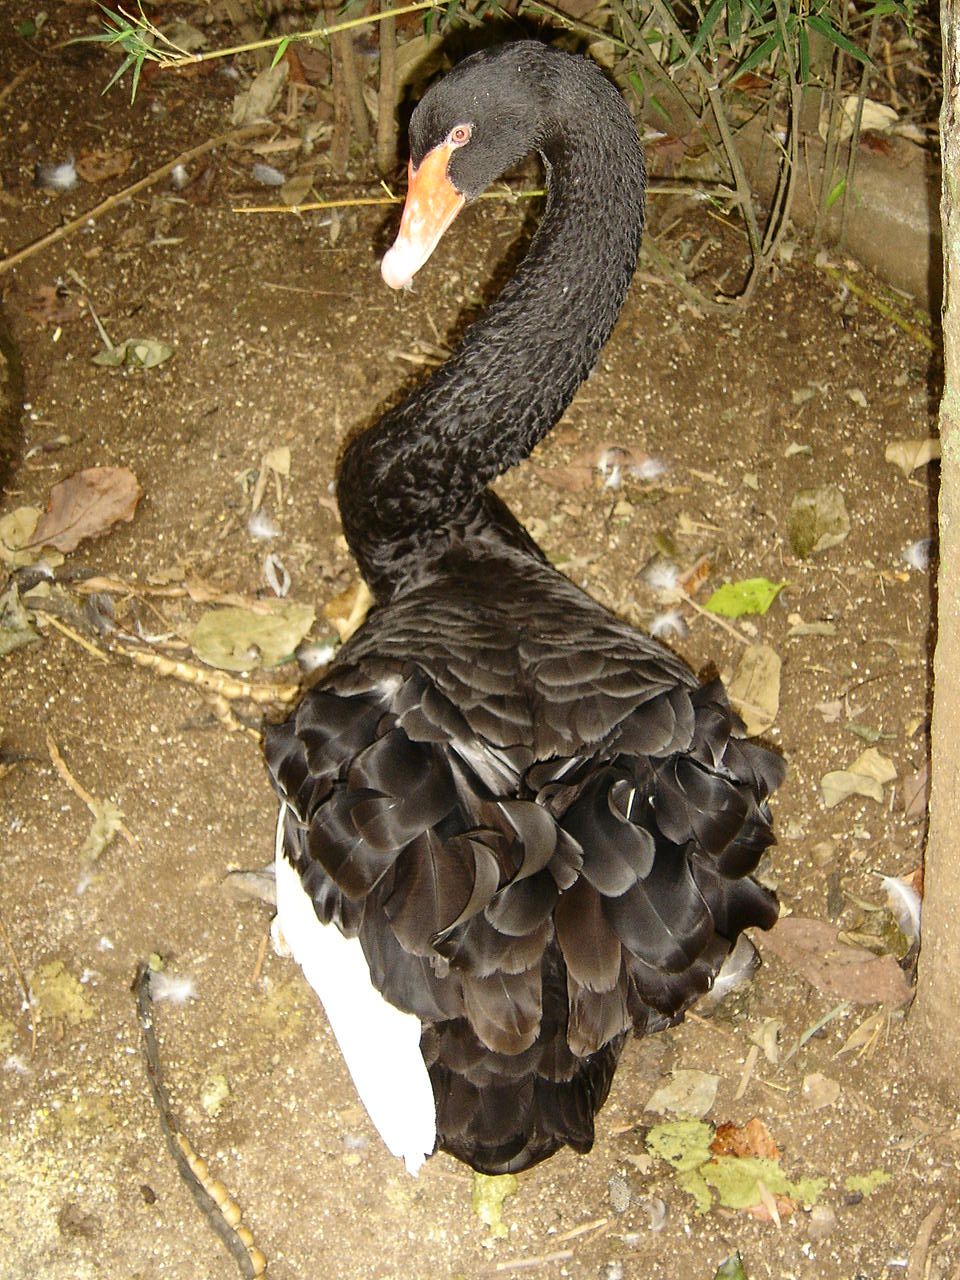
<point x="125" y="65"/>
<point x="749" y="595"/>
<point x="804" y="46"/>
<point x="282" y="48"/>
<point x="735" y="1179"/>
<point x="734" y="20"/>
<point x="685" y="1144"/>
<point x="836" y="193"/>
<point x="706" y="26"/>
<point x="731" y="1269"/>
<point x="760" y="54"/>
<point x="829" y="32"/>
<point x="865" y="1184"/>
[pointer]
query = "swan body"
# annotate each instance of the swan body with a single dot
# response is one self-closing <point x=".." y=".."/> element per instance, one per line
<point x="529" y="818"/>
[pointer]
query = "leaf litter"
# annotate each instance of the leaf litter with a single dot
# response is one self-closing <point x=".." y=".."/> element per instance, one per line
<point x="754" y="689"/>
<point x="817" y="520"/>
<point x="87" y="505"/>
<point x="749" y="595"/>
<point x="718" y="1174"/>
<point x="236" y="639"/>
<point x="813" y="949"/>
<point x="908" y="455"/>
<point x="135" y="353"/>
<point x="866" y="777"/>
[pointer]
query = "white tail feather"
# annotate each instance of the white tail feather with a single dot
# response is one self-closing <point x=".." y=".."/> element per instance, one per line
<point x="380" y="1044"/>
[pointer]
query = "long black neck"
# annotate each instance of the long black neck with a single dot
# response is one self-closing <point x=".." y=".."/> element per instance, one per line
<point x="422" y="469"/>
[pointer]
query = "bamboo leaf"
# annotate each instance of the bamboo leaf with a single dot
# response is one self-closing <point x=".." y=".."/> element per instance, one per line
<point x="706" y="26"/>
<point x="760" y="54"/>
<point x="282" y="48"/>
<point x="829" y="32"/>
<point x="734" y="20"/>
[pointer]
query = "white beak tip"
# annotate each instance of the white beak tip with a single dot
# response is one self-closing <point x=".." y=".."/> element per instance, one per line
<point x="396" y="268"/>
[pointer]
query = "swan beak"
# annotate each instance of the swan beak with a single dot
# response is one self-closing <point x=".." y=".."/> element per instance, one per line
<point x="432" y="204"/>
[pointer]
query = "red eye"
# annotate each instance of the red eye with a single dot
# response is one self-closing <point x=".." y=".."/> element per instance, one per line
<point x="460" y="134"/>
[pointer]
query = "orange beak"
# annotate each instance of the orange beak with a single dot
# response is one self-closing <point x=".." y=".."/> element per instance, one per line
<point x="432" y="204"/>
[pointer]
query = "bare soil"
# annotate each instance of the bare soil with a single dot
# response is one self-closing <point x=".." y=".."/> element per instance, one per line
<point x="284" y="337"/>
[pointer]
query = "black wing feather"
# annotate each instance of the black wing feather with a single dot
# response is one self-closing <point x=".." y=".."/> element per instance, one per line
<point x="540" y="827"/>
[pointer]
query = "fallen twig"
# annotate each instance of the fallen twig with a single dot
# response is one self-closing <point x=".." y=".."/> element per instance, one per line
<point x="885" y="309"/>
<point x="916" y="1264"/>
<point x="261" y="956"/>
<point x="712" y="617"/>
<point x="75" y="637"/>
<point x="17" y="80"/>
<point x="748" y="1068"/>
<point x="528" y="1264"/>
<point x="221" y="1211"/>
<point x="357" y="202"/>
<point x="213" y="681"/>
<point x="82" y="793"/>
<point x="84" y="219"/>
<point x="595" y="1225"/>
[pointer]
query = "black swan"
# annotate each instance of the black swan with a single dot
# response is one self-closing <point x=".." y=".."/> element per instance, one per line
<point x="528" y="826"/>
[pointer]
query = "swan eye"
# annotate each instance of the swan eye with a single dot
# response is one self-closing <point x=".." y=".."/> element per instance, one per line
<point x="460" y="134"/>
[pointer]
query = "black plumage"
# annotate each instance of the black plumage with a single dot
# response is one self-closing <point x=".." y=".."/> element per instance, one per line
<point x="537" y="823"/>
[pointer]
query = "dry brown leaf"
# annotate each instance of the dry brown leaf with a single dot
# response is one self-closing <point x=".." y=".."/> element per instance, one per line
<point x="832" y="712"/>
<point x="772" y="1208"/>
<point x="751" y="1139"/>
<point x="819" y="1090"/>
<point x="916" y="789"/>
<point x="86" y="505"/>
<point x="813" y="949"/>
<point x="257" y="102"/>
<point x="910" y="454"/>
<point x="867" y="777"/>
<point x="97" y="165"/>
<point x="754" y="689"/>
<point x="52" y="305"/>
<point x="864" y="1039"/>
<point x="692" y="579"/>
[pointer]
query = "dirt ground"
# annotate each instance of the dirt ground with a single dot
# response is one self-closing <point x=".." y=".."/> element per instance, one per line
<point x="283" y="335"/>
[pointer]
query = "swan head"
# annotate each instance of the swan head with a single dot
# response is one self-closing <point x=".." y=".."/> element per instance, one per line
<point x="476" y="122"/>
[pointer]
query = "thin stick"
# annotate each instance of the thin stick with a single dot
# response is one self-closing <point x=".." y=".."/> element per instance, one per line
<point x="17" y="80"/>
<point x="584" y="1227"/>
<point x="77" y="639"/>
<point x="529" y="1264"/>
<point x="214" y="681"/>
<point x="322" y="33"/>
<point x="360" y="201"/>
<point x="916" y="1264"/>
<point x="68" y="228"/>
<point x="713" y="617"/>
<point x="261" y="956"/>
<point x="748" y="1069"/>
<point x="82" y="793"/>
<point x="884" y="308"/>
<point x="221" y="1211"/>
